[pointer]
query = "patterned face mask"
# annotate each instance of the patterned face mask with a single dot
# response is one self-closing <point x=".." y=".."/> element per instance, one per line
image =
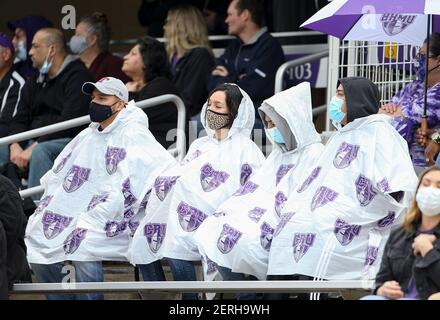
<point x="216" y="120"/>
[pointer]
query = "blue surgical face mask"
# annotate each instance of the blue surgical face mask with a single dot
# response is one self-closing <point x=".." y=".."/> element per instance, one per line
<point x="335" y="110"/>
<point x="21" y="51"/>
<point x="276" y="135"/>
<point x="421" y="67"/>
<point x="46" y="65"/>
<point x="78" y="44"/>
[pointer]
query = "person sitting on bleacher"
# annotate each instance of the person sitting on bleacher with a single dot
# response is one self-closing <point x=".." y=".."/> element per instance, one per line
<point x="147" y="64"/>
<point x="11" y="84"/>
<point x="216" y="166"/>
<point x="13" y="264"/>
<point x="341" y="216"/>
<point x="51" y="96"/>
<point x="24" y="30"/>
<point x="407" y="105"/>
<point x="410" y="267"/>
<point x="95" y="193"/>
<point x="91" y="42"/>
<point x="252" y="60"/>
<point x="252" y="218"/>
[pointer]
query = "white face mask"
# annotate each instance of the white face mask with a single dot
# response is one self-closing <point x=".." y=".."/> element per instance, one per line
<point x="428" y="200"/>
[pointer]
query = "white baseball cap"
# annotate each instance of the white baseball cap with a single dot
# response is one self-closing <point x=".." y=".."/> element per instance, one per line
<point x="107" y="85"/>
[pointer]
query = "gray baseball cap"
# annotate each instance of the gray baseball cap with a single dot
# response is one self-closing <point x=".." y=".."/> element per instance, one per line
<point x="107" y="85"/>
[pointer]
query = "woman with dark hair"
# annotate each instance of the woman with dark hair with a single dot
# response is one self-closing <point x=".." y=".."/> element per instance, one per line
<point x="410" y="267"/>
<point x="148" y="66"/>
<point x="216" y="167"/>
<point x="407" y="105"/>
<point x="91" y="42"/>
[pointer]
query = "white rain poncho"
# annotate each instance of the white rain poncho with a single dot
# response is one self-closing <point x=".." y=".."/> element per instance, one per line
<point x="336" y="223"/>
<point x="240" y="235"/>
<point x="94" y="193"/>
<point x="186" y="195"/>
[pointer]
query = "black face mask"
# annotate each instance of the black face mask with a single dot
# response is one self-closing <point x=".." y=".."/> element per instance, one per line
<point x="100" y="112"/>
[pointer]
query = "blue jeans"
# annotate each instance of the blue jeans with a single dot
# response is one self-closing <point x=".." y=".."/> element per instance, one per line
<point x="437" y="162"/>
<point x="228" y="275"/>
<point x="43" y="156"/>
<point x="183" y="270"/>
<point x="58" y="273"/>
<point x="152" y="271"/>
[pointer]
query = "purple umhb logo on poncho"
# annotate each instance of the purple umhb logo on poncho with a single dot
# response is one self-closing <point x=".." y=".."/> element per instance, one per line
<point x="383" y="185"/>
<point x="155" y="234"/>
<point x="129" y="198"/>
<point x="43" y="204"/>
<point x="249" y="187"/>
<point x="393" y="24"/>
<point x="345" y="155"/>
<point x="114" y="228"/>
<point x="387" y="221"/>
<point x="62" y="163"/>
<point x="309" y="180"/>
<point x="266" y="235"/>
<point x="280" y="199"/>
<point x="364" y="190"/>
<point x="163" y="185"/>
<point x="256" y="213"/>
<point x="211" y="179"/>
<point x="301" y="244"/>
<point x="228" y="239"/>
<point x="97" y="199"/>
<point x="371" y="255"/>
<point x="73" y="241"/>
<point x="345" y="232"/>
<point x="282" y="171"/>
<point x="283" y="221"/>
<point x="245" y="173"/>
<point x="210" y="265"/>
<point x="112" y="158"/>
<point x="323" y="196"/>
<point x="75" y="178"/>
<point x="54" y="224"/>
<point x="190" y="218"/>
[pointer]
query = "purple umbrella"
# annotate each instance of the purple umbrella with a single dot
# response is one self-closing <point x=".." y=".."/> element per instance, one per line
<point x="402" y="21"/>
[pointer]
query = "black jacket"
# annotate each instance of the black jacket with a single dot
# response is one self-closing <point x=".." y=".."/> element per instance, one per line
<point x="53" y="100"/>
<point x="12" y="248"/>
<point x="252" y="66"/>
<point x="399" y="263"/>
<point x="10" y="88"/>
<point x="192" y="73"/>
<point x="163" y="117"/>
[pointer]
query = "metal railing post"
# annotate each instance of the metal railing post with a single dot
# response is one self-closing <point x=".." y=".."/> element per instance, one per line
<point x="297" y="62"/>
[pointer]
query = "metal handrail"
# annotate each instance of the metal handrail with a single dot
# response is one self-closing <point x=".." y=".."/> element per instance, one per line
<point x="293" y="63"/>
<point x="227" y="37"/>
<point x="195" y="286"/>
<point x="60" y="126"/>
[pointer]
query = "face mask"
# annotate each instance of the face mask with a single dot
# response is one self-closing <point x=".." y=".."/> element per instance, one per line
<point x="335" y="110"/>
<point x="421" y="68"/>
<point x="276" y="135"/>
<point x="216" y="121"/>
<point x="100" y="112"/>
<point x="78" y="44"/>
<point x="46" y="65"/>
<point x="428" y="200"/>
<point x="21" y="52"/>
